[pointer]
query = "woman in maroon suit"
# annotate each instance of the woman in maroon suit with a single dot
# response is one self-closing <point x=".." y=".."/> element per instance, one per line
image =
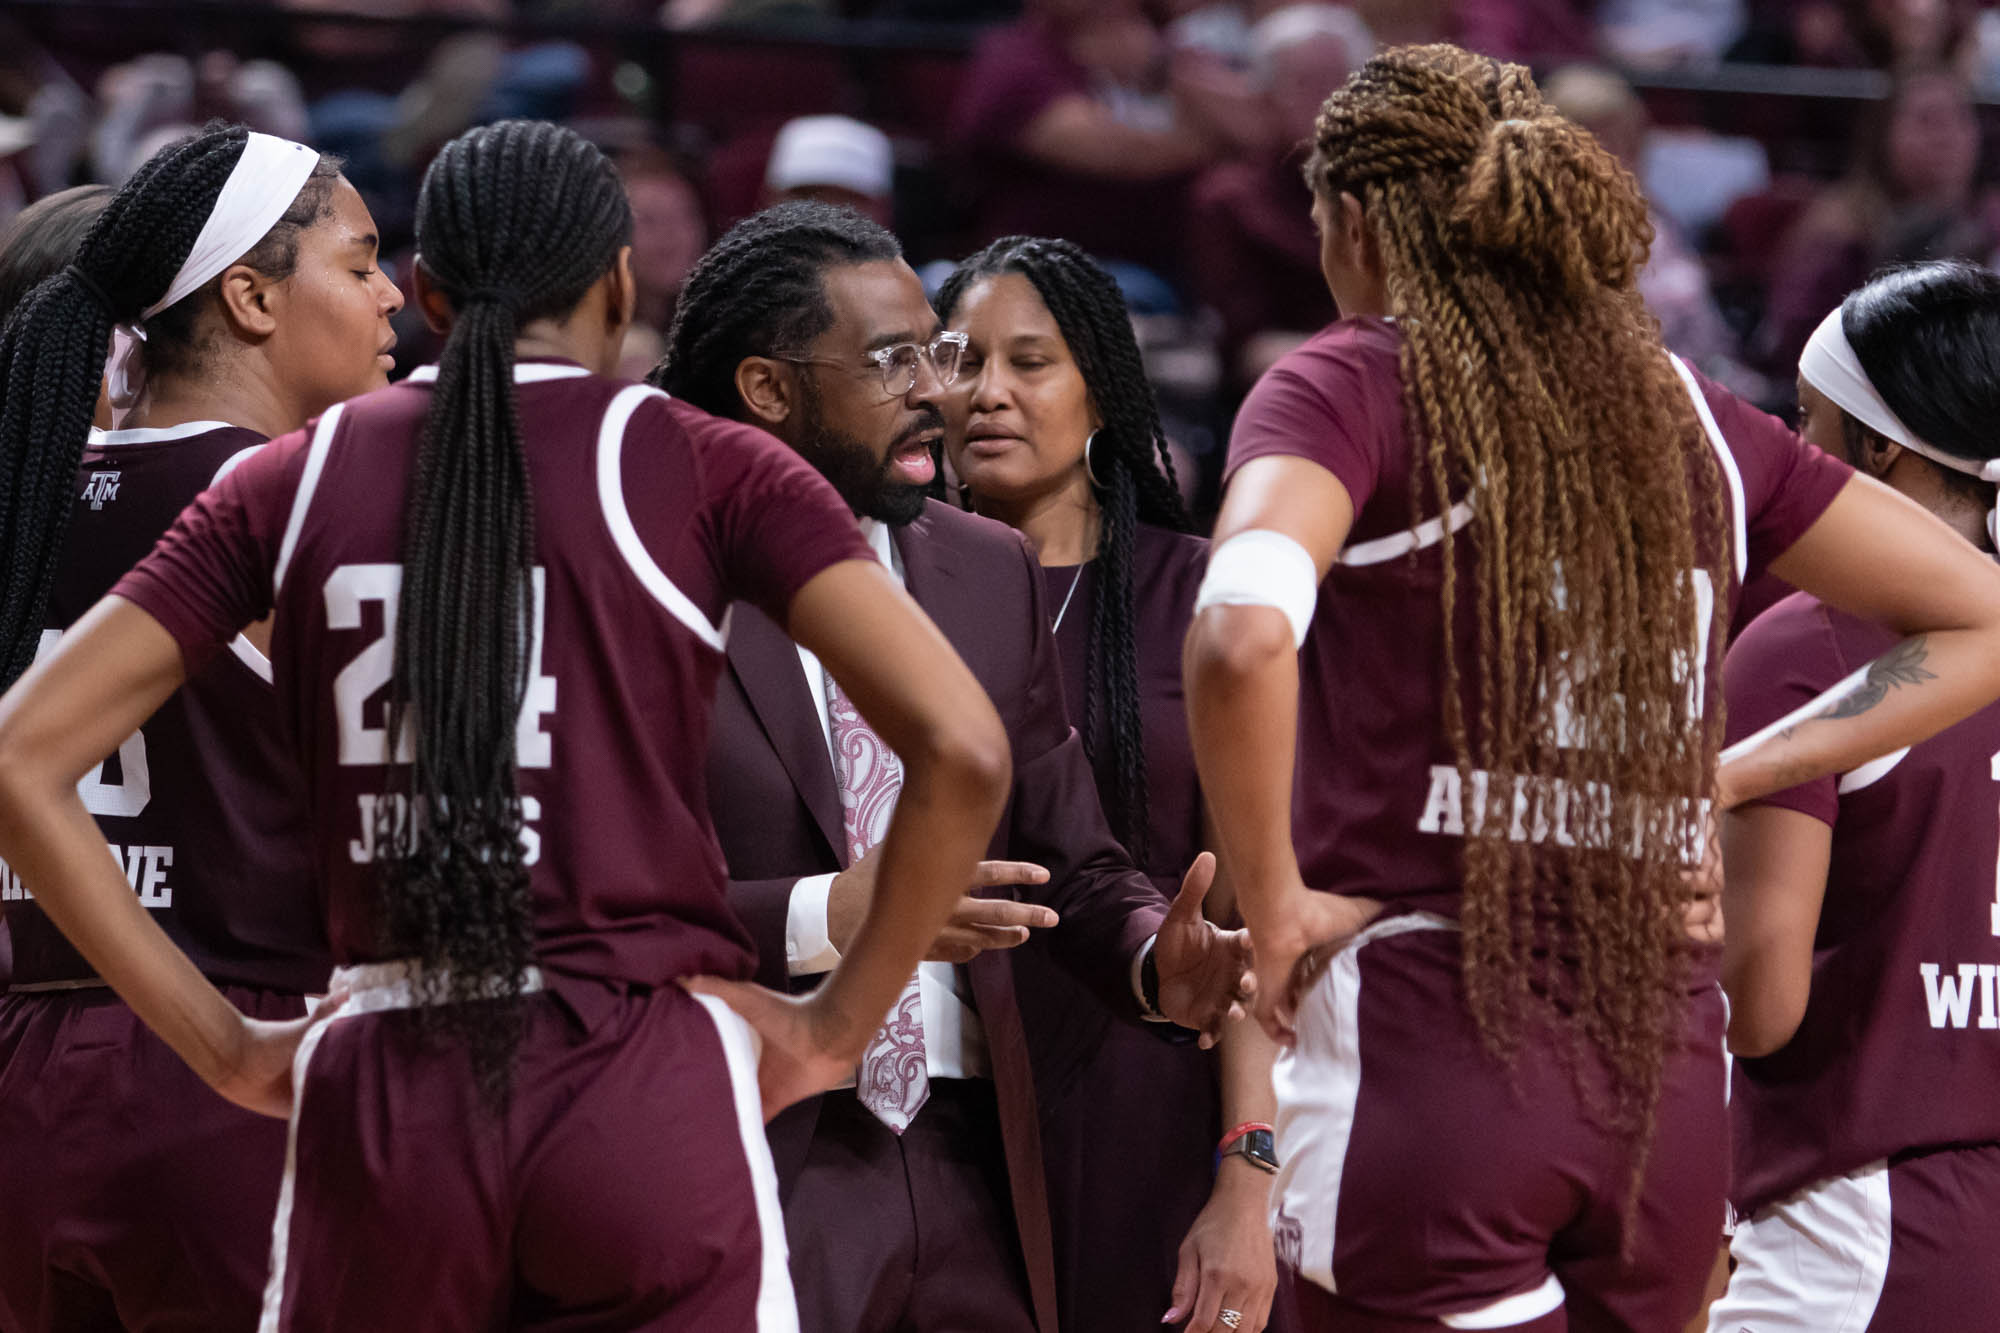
<point x="1861" y="906"/>
<point x="499" y="592"/>
<point x="1053" y="430"/>
<point x="1505" y="529"/>
<point x="248" y="264"/>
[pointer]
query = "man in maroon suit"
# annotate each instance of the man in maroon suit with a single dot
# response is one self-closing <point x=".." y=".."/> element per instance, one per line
<point x="915" y="1201"/>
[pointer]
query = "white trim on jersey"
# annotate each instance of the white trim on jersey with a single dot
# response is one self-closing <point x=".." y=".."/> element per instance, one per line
<point x="322" y="441"/>
<point x="534" y="373"/>
<point x="777" y="1308"/>
<point x="1813" y="1263"/>
<point x="1427" y="533"/>
<point x="611" y="499"/>
<point x="246" y="652"/>
<point x="1871" y="772"/>
<point x="1739" y="520"/>
<point x="235" y="460"/>
<point x="112" y="439"/>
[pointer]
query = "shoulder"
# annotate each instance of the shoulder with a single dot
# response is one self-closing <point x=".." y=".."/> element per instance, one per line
<point x="949" y="526"/>
<point x="1346" y="345"/>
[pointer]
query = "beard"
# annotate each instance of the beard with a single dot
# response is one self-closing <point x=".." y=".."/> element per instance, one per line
<point x="862" y="479"/>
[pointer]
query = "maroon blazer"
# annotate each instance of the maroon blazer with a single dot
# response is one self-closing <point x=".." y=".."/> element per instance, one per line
<point x="777" y="813"/>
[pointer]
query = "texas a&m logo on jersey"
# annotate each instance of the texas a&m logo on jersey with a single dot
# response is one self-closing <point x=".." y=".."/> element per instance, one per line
<point x="101" y="487"/>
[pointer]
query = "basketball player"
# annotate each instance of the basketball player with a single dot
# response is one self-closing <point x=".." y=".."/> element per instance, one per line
<point x="499" y="592"/>
<point x="1861" y="905"/>
<point x="139" y="1199"/>
<point x="1505" y="528"/>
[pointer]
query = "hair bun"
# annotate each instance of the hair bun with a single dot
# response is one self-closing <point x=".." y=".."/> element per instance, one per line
<point x="1543" y="193"/>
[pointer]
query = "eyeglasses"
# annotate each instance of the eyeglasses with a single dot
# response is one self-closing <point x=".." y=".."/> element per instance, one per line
<point x="899" y="365"/>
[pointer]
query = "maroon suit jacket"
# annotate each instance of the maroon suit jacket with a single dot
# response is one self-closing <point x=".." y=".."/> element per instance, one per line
<point x="777" y="812"/>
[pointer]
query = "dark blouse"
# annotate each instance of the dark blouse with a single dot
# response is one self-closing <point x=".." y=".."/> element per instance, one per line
<point x="1168" y="567"/>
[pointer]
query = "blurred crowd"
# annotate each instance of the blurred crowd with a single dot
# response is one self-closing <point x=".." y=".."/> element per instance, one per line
<point x="1163" y="135"/>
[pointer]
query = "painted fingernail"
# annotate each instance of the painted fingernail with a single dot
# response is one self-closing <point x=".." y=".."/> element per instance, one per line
<point x="1172" y="1316"/>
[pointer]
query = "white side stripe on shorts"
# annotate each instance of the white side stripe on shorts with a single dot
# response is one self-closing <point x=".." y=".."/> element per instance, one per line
<point x="1813" y="1263"/>
<point x="611" y="499"/>
<point x="777" y="1308"/>
<point x="1318" y="1082"/>
<point x="271" y="1321"/>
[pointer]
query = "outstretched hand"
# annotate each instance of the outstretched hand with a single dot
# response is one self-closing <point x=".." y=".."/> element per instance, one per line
<point x="1204" y="971"/>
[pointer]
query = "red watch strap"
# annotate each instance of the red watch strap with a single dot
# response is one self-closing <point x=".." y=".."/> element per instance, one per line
<point x="1240" y="1131"/>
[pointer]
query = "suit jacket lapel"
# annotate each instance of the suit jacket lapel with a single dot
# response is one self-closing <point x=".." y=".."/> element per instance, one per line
<point x="931" y="574"/>
<point x="766" y="664"/>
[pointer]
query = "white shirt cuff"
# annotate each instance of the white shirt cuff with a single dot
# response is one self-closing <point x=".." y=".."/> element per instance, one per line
<point x="807" y="949"/>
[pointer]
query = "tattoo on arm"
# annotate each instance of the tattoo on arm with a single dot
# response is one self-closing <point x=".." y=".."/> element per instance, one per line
<point x="1901" y="665"/>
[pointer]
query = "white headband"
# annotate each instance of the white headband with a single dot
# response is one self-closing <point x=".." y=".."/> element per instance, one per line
<point x="261" y="186"/>
<point x="1829" y="365"/>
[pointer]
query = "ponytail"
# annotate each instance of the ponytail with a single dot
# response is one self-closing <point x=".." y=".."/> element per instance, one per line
<point x="515" y="222"/>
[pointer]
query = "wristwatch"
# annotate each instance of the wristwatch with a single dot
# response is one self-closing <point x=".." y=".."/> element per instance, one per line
<point x="1254" y="1143"/>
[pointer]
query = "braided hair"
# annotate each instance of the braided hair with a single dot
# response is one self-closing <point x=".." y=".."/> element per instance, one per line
<point x="515" y="222"/>
<point x="1132" y="478"/>
<point x="759" y="291"/>
<point x="1510" y="242"/>
<point x="52" y="349"/>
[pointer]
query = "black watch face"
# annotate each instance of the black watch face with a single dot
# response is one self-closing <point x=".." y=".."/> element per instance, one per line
<point x="1261" y="1147"/>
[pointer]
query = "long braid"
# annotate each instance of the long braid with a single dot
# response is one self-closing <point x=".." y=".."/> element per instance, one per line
<point x="515" y="222"/>
<point x="1135" y="483"/>
<point x="1535" y="384"/>
<point x="758" y="291"/>
<point x="52" y="351"/>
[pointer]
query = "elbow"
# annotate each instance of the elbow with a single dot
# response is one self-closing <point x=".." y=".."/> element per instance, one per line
<point x="1761" y="1025"/>
<point x="970" y="757"/>
<point x="1230" y="645"/>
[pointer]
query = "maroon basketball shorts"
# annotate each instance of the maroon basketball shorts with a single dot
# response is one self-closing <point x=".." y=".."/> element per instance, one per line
<point x="625" y="1186"/>
<point x="1910" y="1245"/>
<point x="1424" y="1185"/>
<point x="131" y="1195"/>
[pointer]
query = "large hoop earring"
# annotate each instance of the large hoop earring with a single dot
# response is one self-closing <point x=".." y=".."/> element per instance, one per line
<point x="1088" y="470"/>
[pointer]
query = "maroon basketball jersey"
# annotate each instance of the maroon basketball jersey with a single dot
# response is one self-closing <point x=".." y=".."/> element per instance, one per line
<point x="201" y="805"/>
<point x="1376" y="808"/>
<point x="1900" y="1044"/>
<point x="650" y="518"/>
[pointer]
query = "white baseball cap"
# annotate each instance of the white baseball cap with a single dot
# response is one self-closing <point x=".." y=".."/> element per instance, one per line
<point x="831" y="150"/>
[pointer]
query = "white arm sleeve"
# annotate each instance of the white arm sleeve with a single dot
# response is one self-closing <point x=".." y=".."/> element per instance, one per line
<point x="1262" y="568"/>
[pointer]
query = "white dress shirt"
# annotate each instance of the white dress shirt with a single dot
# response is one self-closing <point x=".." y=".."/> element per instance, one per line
<point x="954" y="1041"/>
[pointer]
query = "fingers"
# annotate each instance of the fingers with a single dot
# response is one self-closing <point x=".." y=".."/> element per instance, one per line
<point x="1002" y="913"/>
<point x="1194" y="885"/>
<point x="1187" y="1279"/>
<point x="962" y="944"/>
<point x="991" y="874"/>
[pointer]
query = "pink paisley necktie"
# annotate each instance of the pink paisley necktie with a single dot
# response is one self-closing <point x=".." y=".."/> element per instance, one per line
<point x="893" y="1081"/>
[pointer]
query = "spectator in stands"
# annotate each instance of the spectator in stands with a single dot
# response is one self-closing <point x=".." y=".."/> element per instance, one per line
<point x="1255" y="253"/>
<point x="1666" y="34"/>
<point x="1910" y="196"/>
<point x="836" y="160"/>
<point x="1071" y="127"/>
<point x="1673" y="282"/>
<point x="1880" y="34"/>
<point x="669" y="232"/>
